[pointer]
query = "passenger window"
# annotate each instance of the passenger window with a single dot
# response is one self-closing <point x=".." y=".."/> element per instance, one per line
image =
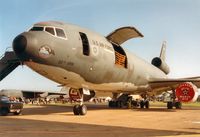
<point x="60" y="33"/>
<point x="50" y="30"/>
<point x="37" y="29"/>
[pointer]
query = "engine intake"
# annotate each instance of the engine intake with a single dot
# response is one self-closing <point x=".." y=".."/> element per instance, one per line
<point x="187" y="92"/>
<point x="160" y="64"/>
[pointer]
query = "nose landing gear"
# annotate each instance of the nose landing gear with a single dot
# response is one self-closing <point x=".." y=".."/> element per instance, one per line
<point x="78" y="96"/>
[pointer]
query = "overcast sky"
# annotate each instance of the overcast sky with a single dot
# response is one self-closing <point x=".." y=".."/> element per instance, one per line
<point x="174" y="21"/>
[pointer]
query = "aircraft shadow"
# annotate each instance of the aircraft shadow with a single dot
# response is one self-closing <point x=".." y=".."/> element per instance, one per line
<point x="91" y="107"/>
<point x="31" y="128"/>
<point x="49" y="109"/>
<point x="46" y="109"/>
<point x="154" y="110"/>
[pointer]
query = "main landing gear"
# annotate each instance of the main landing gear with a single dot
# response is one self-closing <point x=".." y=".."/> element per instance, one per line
<point x="174" y="103"/>
<point x="120" y="101"/>
<point x="127" y="101"/>
<point x="144" y="104"/>
<point x="177" y="105"/>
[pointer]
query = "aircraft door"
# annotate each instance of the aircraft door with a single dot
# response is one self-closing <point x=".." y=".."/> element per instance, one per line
<point x="85" y="43"/>
<point x="120" y="56"/>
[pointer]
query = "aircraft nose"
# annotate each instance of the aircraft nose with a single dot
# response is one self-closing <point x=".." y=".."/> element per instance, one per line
<point x="19" y="44"/>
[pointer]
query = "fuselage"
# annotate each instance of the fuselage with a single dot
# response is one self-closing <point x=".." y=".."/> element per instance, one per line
<point x="79" y="58"/>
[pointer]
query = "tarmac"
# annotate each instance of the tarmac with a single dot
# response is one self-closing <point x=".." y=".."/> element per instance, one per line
<point x="101" y="121"/>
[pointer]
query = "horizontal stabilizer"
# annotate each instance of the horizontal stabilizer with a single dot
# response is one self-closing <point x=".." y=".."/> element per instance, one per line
<point x="8" y="63"/>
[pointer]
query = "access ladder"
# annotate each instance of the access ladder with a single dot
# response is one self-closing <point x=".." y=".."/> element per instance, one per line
<point x="8" y="62"/>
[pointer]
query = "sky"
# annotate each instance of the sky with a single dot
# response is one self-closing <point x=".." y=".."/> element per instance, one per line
<point x="174" y="21"/>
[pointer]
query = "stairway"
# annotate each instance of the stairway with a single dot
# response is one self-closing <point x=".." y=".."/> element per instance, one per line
<point x="8" y="63"/>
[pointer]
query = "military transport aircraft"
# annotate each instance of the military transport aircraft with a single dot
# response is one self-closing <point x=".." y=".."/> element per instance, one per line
<point x="89" y="62"/>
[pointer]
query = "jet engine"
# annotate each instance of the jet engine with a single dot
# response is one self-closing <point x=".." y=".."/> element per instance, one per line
<point x="159" y="63"/>
<point x="187" y="92"/>
<point x="76" y="94"/>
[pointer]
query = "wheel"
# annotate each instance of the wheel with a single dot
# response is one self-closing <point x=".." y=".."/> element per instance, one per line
<point x="146" y="104"/>
<point x="82" y="110"/>
<point x="76" y="110"/>
<point x="18" y="112"/>
<point x="114" y="104"/>
<point x="110" y="104"/>
<point x="4" y="111"/>
<point x="169" y="105"/>
<point x="178" y="105"/>
<point x="119" y="104"/>
<point x="142" y="104"/>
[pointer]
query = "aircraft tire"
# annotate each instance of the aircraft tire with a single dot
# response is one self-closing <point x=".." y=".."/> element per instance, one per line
<point x="142" y="104"/>
<point x="169" y="105"/>
<point x="112" y="104"/>
<point x="76" y="109"/>
<point x="178" y="105"/>
<point x="119" y="104"/>
<point x="82" y="110"/>
<point x="146" y="104"/>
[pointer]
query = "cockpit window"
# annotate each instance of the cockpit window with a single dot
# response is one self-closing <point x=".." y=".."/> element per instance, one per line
<point x="60" y="33"/>
<point x="37" y="29"/>
<point x="57" y="32"/>
<point x="50" y="30"/>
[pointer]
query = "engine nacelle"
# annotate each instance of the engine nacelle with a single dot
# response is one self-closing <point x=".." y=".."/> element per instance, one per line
<point x="160" y="64"/>
<point x="187" y="92"/>
<point x="75" y="94"/>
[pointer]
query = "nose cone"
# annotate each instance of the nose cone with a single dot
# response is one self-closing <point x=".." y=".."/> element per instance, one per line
<point x="19" y="44"/>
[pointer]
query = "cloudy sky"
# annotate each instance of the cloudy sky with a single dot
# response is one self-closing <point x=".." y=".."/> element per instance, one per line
<point x="174" y="21"/>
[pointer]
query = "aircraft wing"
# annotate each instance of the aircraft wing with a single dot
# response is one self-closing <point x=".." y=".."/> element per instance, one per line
<point x="8" y="63"/>
<point x="29" y="94"/>
<point x="169" y="84"/>
<point x="157" y="86"/>
<point x="56" y="93"/>
<point x="123" y="34"/>
<point x="34" y="94"/>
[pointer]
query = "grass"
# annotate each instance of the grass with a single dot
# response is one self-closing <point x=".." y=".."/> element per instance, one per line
<point x="193" y="104"/>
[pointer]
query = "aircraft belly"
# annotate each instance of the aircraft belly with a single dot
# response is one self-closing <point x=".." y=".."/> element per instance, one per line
<point x="74" y="80"/>
<point x="57" y="74"/>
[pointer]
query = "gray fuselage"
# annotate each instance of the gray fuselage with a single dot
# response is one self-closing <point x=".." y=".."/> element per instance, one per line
<point x="63" y="59"/>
